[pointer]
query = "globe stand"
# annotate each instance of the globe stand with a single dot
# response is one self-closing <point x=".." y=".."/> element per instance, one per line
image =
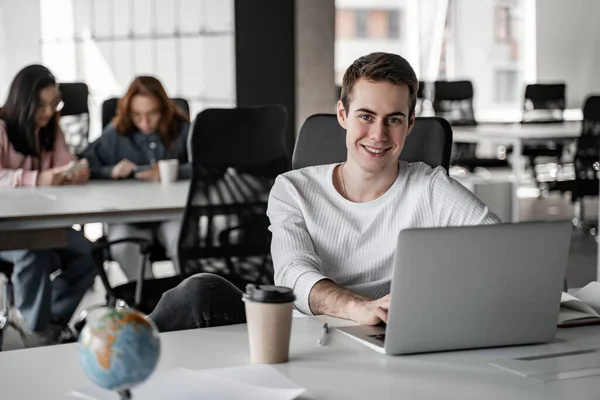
<point x="125" y="394"/>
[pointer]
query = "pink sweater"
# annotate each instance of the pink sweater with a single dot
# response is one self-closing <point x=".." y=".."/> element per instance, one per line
<point x="16" y="169"/>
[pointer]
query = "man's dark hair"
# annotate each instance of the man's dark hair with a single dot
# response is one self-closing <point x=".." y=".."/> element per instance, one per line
<point x="380" y="67"/>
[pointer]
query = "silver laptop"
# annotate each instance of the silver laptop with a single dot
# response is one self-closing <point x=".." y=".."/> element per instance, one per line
<point x="472" y="287"/>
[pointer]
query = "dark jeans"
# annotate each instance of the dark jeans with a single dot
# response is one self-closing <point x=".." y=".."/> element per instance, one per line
<point x="200" y="301"/>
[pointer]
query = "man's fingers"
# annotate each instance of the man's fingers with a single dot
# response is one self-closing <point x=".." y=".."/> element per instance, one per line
<point x="384" y="302"/>
<point x="382" y="314"/>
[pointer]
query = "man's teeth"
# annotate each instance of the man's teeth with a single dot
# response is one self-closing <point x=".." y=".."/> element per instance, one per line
<point x="374" y="151"/>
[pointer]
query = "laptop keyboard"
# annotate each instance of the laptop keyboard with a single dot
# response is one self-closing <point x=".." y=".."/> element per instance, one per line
<point x="379" y="337"/>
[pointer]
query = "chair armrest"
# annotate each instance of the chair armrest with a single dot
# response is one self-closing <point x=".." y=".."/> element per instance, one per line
<point x="102" y="244"/>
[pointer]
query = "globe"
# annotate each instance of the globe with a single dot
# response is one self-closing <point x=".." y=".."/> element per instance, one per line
<point x="119" y="350"/>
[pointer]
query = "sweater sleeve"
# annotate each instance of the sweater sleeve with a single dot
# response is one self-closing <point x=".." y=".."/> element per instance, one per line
<point x="60" y="154"/>
<point x="12" y="177"/>
<point x="101" y="154"/>
<point x="452" y="204"/>
<point x="295" y="262"/>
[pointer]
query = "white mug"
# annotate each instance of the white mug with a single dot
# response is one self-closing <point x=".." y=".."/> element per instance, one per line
<point x="169" y="170"/>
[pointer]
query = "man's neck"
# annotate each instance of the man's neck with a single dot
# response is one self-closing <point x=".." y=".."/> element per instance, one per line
<point x="361" y="186"/>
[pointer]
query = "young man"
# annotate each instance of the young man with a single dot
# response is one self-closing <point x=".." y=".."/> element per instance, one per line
<point x="335" y="226"/>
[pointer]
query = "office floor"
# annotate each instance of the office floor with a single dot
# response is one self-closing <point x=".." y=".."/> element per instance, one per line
<point x="582" y="257"/>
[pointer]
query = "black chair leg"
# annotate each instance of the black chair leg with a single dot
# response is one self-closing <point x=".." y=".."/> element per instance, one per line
<point x="8" y="302"/>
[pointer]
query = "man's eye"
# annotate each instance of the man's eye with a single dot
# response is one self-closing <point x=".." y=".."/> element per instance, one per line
<point x="365" y="117"/>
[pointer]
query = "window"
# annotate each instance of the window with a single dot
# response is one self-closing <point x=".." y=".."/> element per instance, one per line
<point x="362" y="19"/>
<point x="393" y="21"/>
<point x="506" y="86"/>
<point x="503" y="24"/>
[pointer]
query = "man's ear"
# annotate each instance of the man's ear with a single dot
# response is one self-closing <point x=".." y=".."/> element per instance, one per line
<point x="341" y="114"/>
<point x="411" y="124"/>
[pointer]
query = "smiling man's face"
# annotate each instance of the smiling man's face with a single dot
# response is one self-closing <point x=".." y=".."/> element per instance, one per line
<point x="377" y="124"/>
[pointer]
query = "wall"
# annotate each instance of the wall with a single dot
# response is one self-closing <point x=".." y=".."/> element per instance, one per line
<point x="19" y="39"/>
<point x="568" y="46"/>
<point x="315" y="48"/>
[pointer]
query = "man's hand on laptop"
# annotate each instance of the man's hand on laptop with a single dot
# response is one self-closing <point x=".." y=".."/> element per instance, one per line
<point x="371" y="312"/>
<point x="329" y="298"/>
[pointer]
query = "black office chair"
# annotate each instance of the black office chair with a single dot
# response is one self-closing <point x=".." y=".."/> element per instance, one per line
<point x="323" y="141"/>
<point x="587" y="160"/>
<point x="6" y="269"/>
<point x="75" y="115"/>
<point x="543" y="103"/>
<point x="453" y="101"/>
<point x="236" y="156"/>
<point x="421" y="98"/>
<point x="109" y="108"/>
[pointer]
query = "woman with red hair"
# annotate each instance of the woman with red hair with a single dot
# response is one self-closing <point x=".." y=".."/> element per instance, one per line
<point x="148" y="127"/>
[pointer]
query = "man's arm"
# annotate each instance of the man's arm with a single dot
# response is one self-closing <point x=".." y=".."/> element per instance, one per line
<point x="329" y="298"/>
<point x="452" y="204"/>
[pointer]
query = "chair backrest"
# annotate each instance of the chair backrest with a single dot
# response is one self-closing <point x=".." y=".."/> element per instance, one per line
<point x="453" y="101"/>
<point x="587" y="154"/>
<point x="420" y="98"/>
<point x="75" y="115"/>
<point x="243" y="137"/>
<point x="109" y="108"/>
<point x="236" y="154"/>
<point x="323" y="141"/>
<point x="544" y="103"/>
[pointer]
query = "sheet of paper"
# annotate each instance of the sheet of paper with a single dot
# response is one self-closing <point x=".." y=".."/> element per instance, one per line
<point x="569" y="301"/>
<point x="590" y="294"/>
<point x="253" y="382"/>
<point x="552" y="366"/>
<point x="567" y="315"/>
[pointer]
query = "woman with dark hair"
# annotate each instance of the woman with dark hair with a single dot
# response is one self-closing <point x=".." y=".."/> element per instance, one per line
<point x="33" y="153"/>
<point x="148" y="127"/>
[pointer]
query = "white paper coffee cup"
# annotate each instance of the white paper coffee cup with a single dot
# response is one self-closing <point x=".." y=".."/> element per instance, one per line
<point x="169" y="170"/>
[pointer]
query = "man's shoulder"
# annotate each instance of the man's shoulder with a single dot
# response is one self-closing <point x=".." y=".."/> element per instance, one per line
<point x="315" y="174"/>
<point x="308" y="178"/>
<point x="419" y="171"/>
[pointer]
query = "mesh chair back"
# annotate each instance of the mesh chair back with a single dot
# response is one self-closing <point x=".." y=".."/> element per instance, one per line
<point x="323" y="141"/>
<point x="109" y="108"/>
<point x="453" y="101"/>
<point x="544" y="103"/>
<point x="75" y="115"/>
<point x="236" y="155"/>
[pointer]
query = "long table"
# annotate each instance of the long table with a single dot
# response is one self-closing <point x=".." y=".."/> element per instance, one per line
<point x="36" y="217"/>
<point x="342" y="369"/>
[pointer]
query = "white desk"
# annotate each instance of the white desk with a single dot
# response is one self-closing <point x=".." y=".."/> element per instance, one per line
<point x="34" y="215"/>
<point x="343" y="369"/>
<point x="517" y="135"/>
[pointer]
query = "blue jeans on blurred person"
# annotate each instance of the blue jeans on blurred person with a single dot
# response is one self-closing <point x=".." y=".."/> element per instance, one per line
<point x="42" y="300"/>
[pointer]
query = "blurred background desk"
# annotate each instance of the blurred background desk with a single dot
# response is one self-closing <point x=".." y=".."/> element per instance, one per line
<point x="43" y="212"/>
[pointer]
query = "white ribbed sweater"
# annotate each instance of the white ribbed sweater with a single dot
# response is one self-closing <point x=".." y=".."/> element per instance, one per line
<point x="319" y="234"/>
